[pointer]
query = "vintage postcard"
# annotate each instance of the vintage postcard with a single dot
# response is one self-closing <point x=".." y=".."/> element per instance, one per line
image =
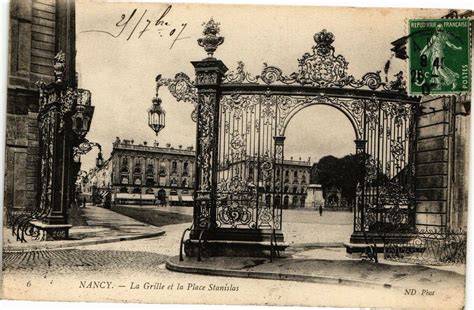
<point x="237" y="154"/>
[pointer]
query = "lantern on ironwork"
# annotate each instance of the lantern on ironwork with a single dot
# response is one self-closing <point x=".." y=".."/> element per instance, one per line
<point x="81" y="119"/>
<point x="156" y="116"/>
<point x="99" y="161"/>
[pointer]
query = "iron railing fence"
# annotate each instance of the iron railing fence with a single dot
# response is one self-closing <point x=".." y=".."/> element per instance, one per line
<point x="430" y="247"/>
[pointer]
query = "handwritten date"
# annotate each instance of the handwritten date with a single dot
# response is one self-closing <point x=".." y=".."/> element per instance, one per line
<point x="135" y="24"/>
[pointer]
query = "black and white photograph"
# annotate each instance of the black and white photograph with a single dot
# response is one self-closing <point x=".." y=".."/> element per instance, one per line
<point x="236" y="154"/>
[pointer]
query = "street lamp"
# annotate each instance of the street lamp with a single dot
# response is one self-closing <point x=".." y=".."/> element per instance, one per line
<point x="99" y="161"/>
<point x="81" y="119"/>
<point x="156" y="114"/>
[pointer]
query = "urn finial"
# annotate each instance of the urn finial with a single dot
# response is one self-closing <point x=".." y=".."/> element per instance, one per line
<point x="59" y="67"/>
<point x="211" y="39"/>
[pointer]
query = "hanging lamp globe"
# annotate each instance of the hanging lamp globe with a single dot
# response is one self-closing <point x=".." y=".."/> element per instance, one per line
<point x="99" y="161"/>
<point x="156" y="116"/>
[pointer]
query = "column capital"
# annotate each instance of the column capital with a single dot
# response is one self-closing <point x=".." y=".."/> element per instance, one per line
<point x="209" y="72"/>
<point x="279" y="139"/>
<point x="360" y="143"/>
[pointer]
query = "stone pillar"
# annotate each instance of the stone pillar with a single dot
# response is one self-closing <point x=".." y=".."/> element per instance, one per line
<point x="278" y="181"/>
<point x="209" y="73"/>
<point x="433" y="163"/>
<point x="360" y="146"/>
<point x="64" y="119"/>
<point x="359" y="210"/>
<point x="56" y="158"/>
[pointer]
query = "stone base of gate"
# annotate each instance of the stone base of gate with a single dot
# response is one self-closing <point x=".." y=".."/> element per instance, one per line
<point x="232" y="248"/>
<point x="358" y="242"/>
<point x="52" y="231"/>
<point x="235" y="242"/>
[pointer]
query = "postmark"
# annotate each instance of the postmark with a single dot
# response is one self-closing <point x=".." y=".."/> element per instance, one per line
<point x="439" y="56"/>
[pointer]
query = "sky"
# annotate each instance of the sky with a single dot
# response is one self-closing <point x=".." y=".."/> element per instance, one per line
<point x="118" y="62"/>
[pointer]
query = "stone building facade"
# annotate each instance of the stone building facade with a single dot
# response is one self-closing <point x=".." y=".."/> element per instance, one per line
<point x="35" y="39"/>
<point x="442" y="163"/>
<point x="146" y="174"/>
<point x="295" y="175"/>
<point x="151" y="174"/>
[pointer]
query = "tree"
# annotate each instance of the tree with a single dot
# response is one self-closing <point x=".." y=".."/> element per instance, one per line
<point x="341" y="173"/>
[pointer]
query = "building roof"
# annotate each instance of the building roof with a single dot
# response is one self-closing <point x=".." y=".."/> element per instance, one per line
<point x="129" y="145"/>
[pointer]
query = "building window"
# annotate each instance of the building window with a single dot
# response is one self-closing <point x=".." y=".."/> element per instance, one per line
<point x="149" y="182"/>
<point x="174" y="182"/>
<point x="295" y="201"/>
<point x="184" y="183"/>
<point x="149" y="169"/>
<point x="295" y="174"/>
<point x="138" y="181"/>
<point x="185" y="168"/>
<point x="124" y="180"/>
<point x="138" y="168"/>
<point x="162" y="170"/>
<point x="174" y="167"/>
<point x="124" y="166"/>
<point x="251" y="172"/>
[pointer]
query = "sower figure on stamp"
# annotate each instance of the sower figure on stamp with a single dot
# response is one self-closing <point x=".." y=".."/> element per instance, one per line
<point x="433" y="53"/>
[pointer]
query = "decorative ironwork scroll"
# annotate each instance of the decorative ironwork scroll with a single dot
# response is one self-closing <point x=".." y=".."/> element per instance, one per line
<point x="84" y="148"/>
<point x="320" y="68"/>
<point x="249" y="156"/>
<point x="182" y="89"/>
<point x="241" y="121"/>
<point x="429" y="247"/>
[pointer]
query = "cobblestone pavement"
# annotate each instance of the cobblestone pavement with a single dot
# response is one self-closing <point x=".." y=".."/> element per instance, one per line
<point x="135" y="272"/>
<point x="78" y="260"/>
<point x="145" y="254"/>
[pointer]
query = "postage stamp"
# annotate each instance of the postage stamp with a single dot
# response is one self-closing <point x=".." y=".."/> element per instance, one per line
<point x="439" y="56"/>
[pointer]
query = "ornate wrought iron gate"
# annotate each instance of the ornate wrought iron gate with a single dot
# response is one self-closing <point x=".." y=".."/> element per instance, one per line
<point x="241" y="123"/>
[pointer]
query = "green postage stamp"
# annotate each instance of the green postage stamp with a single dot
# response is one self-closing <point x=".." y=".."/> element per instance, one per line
<point x="439" y="54"/>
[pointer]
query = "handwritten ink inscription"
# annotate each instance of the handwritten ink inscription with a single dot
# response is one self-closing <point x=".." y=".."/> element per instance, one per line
<point x="134" y="24"/>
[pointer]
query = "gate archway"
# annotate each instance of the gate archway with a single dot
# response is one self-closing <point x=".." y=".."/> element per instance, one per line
<point x="241" y="121"/>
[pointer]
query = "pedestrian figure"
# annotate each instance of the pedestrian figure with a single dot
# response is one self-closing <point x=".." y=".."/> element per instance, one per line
<point x="320" y="210"/>
<point x="84" y="202"/>
<point x="108" y="201"/>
